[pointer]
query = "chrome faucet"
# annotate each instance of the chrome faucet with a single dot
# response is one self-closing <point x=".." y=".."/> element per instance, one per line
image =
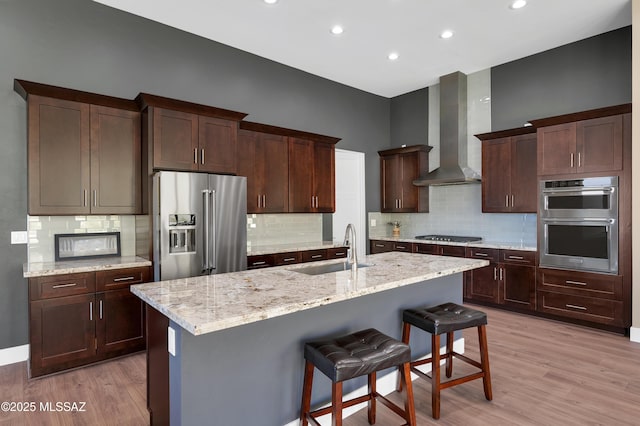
<point x="350" y="241"/>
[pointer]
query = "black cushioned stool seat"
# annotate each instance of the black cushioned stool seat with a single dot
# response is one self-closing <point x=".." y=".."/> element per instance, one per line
<point x="445" y="319"/>
<point x="361" y="353"/>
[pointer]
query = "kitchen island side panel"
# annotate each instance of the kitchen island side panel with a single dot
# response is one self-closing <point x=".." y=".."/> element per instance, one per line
<point x="252" y="374"/>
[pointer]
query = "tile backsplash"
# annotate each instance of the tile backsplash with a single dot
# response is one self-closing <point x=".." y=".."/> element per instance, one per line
<point x="268" y="229"/>
<point x="456" y="210"/>
<point x="42" y="231"/>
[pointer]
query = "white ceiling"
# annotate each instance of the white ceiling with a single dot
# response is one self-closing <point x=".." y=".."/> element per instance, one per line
<point x="297" y="33"/>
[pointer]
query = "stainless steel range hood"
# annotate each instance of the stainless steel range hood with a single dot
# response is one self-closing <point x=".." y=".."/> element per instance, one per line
<point x="453" y="135"/>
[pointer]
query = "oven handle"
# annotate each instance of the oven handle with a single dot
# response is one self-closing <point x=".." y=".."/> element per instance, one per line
<point x="572" y="191"/>
<point x="578" y="220"/>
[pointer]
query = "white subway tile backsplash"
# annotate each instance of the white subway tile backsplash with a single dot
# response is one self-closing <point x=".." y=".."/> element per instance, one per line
<point x="268" y="229"/>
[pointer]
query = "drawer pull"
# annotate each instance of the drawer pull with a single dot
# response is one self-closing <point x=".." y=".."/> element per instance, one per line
<point x="575" y="282"/>
<point x="258" y="263"/>
<point x="90" y="311"/>
<point x="123" y="279"/>
<point x="401" y="247"/>
<point x="380" y="245"/>
<point x="289" y="259"/>
<point x="481" y="254"/>
<point x="582" y="308"/>
<point x="65" y="285"/>
<point x="316" y="256"/>
<point x="516" y="257"/>
<point x="340" y="253"/>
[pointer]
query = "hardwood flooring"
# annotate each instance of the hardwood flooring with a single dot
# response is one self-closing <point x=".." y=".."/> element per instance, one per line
<point x="543" y="373"/>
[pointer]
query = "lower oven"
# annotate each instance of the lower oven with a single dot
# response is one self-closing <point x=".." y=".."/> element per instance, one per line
<point x="588" y="244"/>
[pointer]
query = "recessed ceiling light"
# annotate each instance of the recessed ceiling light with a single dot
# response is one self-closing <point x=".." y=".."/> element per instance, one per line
<point x="446" y="34"/>
<point x="337" y="30"/>
<point x="518" y="4"/>
<point x="393" y="56"/>
<point x="271" y="1"/>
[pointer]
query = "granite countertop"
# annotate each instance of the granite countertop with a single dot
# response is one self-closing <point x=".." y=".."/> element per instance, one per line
<point x="284" y="248"/>
<point x="210" y="303"/>
<point x="504" y="245"/>
<point x="30" y="270"/>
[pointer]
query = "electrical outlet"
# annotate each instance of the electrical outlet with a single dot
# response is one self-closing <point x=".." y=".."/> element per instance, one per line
<point x="171" y="341"/>
<point x="373" y="222"/>
<point x="19" y="237"/>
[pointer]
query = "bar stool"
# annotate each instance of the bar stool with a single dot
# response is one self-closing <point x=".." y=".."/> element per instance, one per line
<point x="354" y="355"/>
<point x="447" y="318"/>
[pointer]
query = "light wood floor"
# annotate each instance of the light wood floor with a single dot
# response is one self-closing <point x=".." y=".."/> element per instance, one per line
<point x="543" y="373"/>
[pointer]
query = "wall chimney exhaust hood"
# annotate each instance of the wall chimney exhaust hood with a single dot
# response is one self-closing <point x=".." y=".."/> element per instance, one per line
<point x="453" y="135"/>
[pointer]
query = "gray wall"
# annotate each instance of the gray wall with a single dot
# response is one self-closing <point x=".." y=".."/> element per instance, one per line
<point x="410" y="118"/>
<point x="83" y="45"/>
<point x="591" y="73"/>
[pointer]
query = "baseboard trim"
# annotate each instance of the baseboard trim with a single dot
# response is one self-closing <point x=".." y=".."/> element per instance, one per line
<point x="14" y="354"/>
<point x="634" y="334"/>
<point x="385" y="385"/>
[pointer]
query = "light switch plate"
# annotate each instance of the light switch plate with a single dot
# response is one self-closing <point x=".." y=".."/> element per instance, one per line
<point x="171" y="341"/>
<point x="19" y="237"/>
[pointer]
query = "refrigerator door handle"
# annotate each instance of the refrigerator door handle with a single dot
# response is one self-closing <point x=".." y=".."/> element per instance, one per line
<point x="212" y="230"/>
<point x="205" y="233"/>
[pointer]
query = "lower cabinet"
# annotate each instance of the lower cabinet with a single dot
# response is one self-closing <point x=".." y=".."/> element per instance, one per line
<point x="278" y="259"/>
<point x="380" y="246"/>
<point x="77" y="319"/>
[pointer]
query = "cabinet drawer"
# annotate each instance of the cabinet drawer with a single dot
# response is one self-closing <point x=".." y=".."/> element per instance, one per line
<point x="406" y="247"/>
<point x="425" y="248"/>
<point x="113" y="279"/>
<point x="518" y="256"/>
<point x="380" y="246"/>
<point x="490" y="254"/>
<point x="314" y="255"/>
<point x="580" y="283"/>
<point x="604" y="311"/>
<point x="455" y="251"/>
<point x="336" y="253"/>
<point x="286" y="258"/>
<point x="61" y="285"/>
<point x="259" y="261"/>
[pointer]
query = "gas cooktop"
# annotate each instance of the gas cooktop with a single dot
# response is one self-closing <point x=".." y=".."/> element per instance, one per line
<point x="448" y="238"/>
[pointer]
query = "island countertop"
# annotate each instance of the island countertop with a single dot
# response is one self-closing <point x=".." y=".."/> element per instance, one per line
<point x="210" y="303"/>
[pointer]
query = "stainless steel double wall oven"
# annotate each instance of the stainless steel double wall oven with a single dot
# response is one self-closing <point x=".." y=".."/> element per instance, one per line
<point x="579" y="224"/>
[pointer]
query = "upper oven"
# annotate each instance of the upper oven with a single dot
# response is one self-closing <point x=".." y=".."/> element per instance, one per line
<point x="579" y="224"/>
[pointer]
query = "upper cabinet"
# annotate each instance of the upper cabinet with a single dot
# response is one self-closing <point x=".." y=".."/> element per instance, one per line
<point x="189" y="137"/>
<point x="399" y="167"/>
<point x="83" y="152"/>
<point x="588" y="142"/>
<point x="509" y="171"/>
<point x="288" y="171"/>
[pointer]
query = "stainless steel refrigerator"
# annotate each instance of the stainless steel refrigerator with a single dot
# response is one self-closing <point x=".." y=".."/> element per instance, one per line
<point x="200" y="224"/>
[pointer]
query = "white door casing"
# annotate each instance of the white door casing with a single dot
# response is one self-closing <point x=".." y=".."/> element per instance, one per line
<point x="350" y="198"/>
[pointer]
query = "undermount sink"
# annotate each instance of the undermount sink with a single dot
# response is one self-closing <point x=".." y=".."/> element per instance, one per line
<point x="325" y="269"/>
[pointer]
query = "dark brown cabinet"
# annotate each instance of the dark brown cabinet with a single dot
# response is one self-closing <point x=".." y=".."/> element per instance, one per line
<point x="76" y="319"/>
<point x="380" y="246"/>
<point x="289" y="258"/>
<point x="264" y="160"/>
<point x="585" y="146"/>
<point x="509" y="173"/>
<point x="185" y="136"/>
<point x="510" y="278"/>
<point x="439" y="249"/>
<point x="84" y="152"/>
<point x="311" y="176"/>
<point x="399" y="167"/>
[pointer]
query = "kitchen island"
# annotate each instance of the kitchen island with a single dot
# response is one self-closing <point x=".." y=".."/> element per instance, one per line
<point x="239" y="337"/>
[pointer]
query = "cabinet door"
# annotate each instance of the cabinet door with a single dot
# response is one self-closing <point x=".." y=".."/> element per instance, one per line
<point x="115" y="161"/>
<point x="519" y="286"/>
<point x="273" y="164"/>
<point x="58" y="156"/>
<point x="409" y="170"/>
<point x="300" y="175"/>
<point x="249" y="166"/>
<point x="599" y="144"/>
<point x="120" y="325"/>
<point x="324" y="177"/>
<point x="380" y="246"/>
<point x="391" y="182"/>
<point x="524" y="183"/>
<point x="175" y="140"/>
<point x="484" y="284"/>
<point x="218" y="145"/>
<point x="62" y="333"/>
<point x="496" y="175"/>
<point x="557" y="149"/>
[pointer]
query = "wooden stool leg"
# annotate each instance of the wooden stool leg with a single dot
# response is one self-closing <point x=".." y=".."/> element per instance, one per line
<point x="435" y="376"/>
<point x="406" y="331"/>
<point x="449" y="354"/>
<point x="306" y="393"/>
<point x="371" y="411"/>
<point x="336" y="402"/>
<point x="409" y="405"/>
<point x="484" y="360"/>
